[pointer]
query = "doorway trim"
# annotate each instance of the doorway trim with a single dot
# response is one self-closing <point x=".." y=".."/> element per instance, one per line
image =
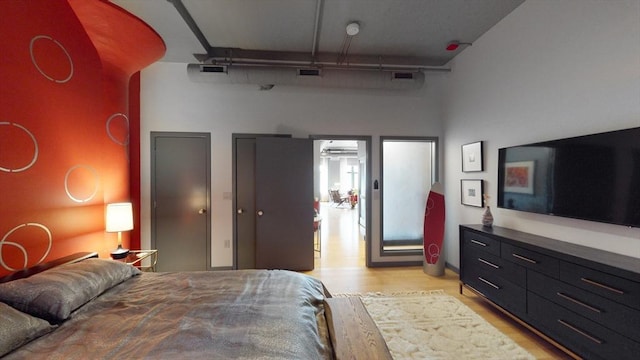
<point x="207" y="136"/>
<point x="367" y="139"/>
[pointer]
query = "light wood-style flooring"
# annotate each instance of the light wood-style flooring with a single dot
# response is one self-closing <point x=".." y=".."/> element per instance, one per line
<point x="341" y="267"/>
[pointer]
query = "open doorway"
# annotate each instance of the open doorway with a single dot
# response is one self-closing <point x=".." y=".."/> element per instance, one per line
<point x="341" y="178"/>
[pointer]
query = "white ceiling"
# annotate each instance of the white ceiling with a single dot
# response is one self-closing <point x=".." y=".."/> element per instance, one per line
<point x="409" y="33"/>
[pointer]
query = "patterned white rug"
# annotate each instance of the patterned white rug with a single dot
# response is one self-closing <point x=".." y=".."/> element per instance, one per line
<point x="434" y="325"/>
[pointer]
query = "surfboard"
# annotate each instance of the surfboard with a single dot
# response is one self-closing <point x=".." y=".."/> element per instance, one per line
<point x="434" y="224"/>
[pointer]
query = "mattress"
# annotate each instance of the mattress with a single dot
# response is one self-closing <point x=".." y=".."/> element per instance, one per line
<point x="241" y="314"/>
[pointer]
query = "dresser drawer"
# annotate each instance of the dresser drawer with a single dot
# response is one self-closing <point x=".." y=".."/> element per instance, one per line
<point x="473" y="240"/>
<point x="612" y="287"/>
<point x="490" y="263"/>
<point x="497" y="289"/>
<point x="531" y="259"/>
<point x="579" y="334"/>
<point x="605" y="312"/>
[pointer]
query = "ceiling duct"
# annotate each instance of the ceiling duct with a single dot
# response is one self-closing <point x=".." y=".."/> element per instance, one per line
<point x="293" y="76"/>
<point x="336" y="151"/>
<point x="308" y="72"/>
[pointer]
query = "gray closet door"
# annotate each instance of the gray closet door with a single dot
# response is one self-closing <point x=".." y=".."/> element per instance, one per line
<point x="180" y="200"/>
<point x="245" y="217"/>
<point x="284" y="203"/>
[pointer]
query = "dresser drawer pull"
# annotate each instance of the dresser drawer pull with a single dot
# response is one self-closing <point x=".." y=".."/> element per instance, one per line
<point x="488" y="263"/>
<point x="478" y="243"/>
<point x="595" y="283"/>
<point x="489" y="283"/>
<point x="524" y="258"/>
<point x="594" y="339"/>
<point x="575" y="301"/>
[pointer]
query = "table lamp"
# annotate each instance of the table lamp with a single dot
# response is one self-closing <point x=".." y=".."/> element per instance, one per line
<point x="119" y="219"/>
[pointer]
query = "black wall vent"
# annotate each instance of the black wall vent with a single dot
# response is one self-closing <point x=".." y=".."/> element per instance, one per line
<point x="309" y="72"/>
<point x="403" y="75"/>
<point x="213" y="69"/>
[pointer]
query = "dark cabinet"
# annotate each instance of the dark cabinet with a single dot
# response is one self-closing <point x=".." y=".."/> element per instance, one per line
<point x="585" y="299"/>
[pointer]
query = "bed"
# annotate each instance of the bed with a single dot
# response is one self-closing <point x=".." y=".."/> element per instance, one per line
<point x="83" y="307"/>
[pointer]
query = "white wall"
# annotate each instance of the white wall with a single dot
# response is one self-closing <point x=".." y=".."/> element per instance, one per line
<point x="171" y="102"/>
<point x="551" y="69"/>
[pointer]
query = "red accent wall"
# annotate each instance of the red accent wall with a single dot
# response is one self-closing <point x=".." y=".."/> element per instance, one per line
<point x="134" y="151"/>
<point x="65" y="124"/>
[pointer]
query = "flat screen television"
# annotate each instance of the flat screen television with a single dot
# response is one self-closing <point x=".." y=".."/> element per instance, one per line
<point x="593" y="177"/>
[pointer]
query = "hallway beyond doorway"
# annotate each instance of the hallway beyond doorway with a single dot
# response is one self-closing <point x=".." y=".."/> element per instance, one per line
<point x="342" y="242"/>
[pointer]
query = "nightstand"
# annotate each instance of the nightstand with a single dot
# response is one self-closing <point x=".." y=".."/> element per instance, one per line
<point x="136" y="257"/>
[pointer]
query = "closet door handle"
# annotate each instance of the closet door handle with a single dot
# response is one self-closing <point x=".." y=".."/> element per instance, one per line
<point x="240" y="211"/>
<point x="260" y="212"/>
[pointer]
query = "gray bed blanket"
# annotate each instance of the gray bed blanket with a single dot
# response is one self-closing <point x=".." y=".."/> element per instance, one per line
<point x="245" y="314"/>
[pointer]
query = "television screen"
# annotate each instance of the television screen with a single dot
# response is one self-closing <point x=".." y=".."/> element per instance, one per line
<point x="592" y="177"/>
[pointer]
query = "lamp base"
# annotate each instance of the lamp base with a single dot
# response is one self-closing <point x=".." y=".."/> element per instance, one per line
<point x="119" y="253"/>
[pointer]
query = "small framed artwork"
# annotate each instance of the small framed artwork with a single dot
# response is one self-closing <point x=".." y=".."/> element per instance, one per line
<point x="471" y="192"/>
<point x="518" y="177"/>
<point x="472" y="157"/>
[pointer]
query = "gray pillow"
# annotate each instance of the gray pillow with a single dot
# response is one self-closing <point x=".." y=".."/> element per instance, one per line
<point x="53" y="294"/>
<point x="18" y="328"/>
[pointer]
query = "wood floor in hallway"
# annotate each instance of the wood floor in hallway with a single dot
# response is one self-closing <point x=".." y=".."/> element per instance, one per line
<point x="341" y="267"/>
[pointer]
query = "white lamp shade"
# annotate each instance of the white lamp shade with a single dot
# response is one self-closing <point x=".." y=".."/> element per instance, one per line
<point x="119" y="217"/>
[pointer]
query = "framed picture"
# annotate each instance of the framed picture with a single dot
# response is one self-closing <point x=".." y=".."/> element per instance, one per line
<point x="472" y="157"/>
<point x="518" y="177"/>
<point x="471" y="192"/>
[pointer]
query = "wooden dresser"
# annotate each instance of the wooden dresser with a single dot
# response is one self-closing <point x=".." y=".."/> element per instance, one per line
<point x="584" y="300"/>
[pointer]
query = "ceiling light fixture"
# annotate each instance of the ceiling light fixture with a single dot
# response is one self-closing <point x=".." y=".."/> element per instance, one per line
<point x="353" y="29"/>
<point x="454" y="45"/>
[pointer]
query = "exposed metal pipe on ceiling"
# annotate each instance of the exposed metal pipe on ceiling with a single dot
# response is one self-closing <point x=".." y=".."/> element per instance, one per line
<point x="222" y="56"/>
<point x="316" y="29"/>
<point x="243" y="57"/>
<point x="329" y="65"/>
<point x="188" y="19"/>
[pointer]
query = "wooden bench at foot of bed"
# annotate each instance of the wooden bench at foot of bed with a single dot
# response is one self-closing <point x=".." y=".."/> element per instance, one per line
<point x="353" y="333"/>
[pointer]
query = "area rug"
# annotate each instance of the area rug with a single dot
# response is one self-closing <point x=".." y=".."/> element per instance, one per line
<point x="434" y="325"/>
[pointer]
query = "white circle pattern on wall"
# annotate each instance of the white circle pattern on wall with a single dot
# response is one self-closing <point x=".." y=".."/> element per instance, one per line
<point x="35" y="144"/>
<point x="125" y="142"/>
<point x="5" y="242"/>
<point x="35" y="62"/>
<point x="95" y="185"/>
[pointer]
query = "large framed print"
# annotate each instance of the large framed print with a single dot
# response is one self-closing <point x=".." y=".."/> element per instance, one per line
<point x="471" y="192"/>
<point x="472" y="157"/>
